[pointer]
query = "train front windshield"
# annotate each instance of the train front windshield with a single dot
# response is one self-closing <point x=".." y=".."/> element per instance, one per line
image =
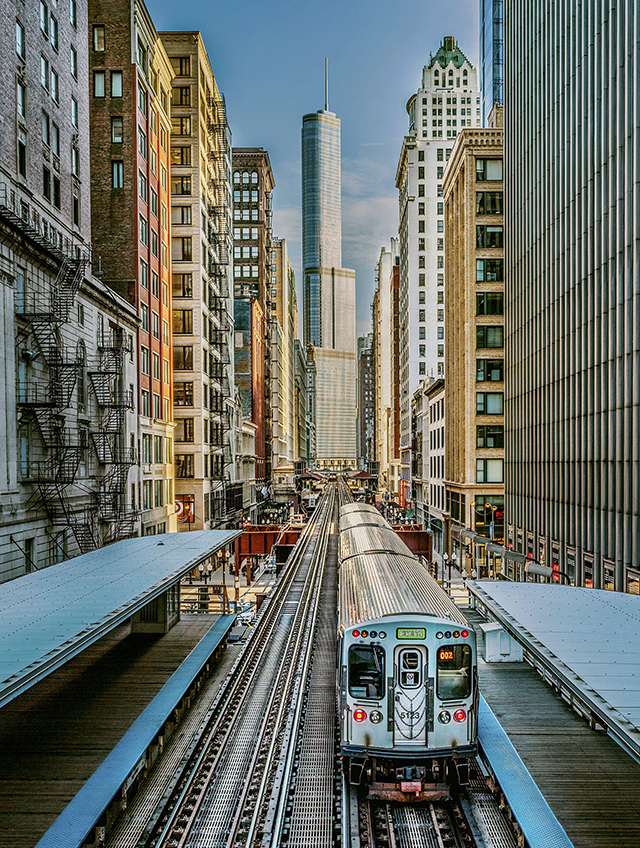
<point x="454" y="672"/>
<point x="366" y="671"/>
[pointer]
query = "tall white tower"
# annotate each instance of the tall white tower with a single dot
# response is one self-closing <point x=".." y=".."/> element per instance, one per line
<point x="447" y="101"/>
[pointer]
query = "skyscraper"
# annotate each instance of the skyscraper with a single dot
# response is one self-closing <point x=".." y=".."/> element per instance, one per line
<point x="491" y="63"/>
<point x="447" y="101"/>
<point x="572" y="289"/>
<point x="329" y="290"/>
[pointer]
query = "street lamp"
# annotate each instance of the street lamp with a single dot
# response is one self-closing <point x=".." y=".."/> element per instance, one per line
<point x="452" y="562"/>
<point x="445" y="557"/>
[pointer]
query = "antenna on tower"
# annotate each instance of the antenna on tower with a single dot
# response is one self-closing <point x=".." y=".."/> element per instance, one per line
<point x="326" y="84"/>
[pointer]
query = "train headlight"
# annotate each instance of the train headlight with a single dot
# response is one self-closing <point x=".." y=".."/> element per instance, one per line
<point x="359" y="715"/>
<point x="382" y="634"/>
<point x="375" y="717"/>
<point x="444" y="717"/>
<point x="459" y="715"/>
<point x="440" y="635"/>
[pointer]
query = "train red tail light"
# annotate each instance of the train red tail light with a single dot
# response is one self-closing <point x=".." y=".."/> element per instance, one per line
<point x="459" y="715"/>
<point x="355" y="634"/>
<point x="359" y="715"/>
<point x="464" y="634"/>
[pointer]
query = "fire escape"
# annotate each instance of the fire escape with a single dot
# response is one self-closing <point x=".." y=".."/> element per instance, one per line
<point x="109" y="438"/>
<point x="221" y="432"/>
<point x="47" y="390"/>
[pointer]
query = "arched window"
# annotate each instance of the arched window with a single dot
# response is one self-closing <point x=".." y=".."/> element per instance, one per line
<point x="236" y="176"/>
<point x="254" y="177"/>
<point x="245" y="178"/>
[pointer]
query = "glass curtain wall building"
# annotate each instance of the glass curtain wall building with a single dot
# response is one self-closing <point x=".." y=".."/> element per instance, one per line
<point x="572" y="290"/>
<point x="328" y="290"/>
<point x="491" y="65"/>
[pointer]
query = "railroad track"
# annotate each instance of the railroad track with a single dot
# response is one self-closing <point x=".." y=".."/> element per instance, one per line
<point x="474" y="819"/>
<point x="232" y="787"/>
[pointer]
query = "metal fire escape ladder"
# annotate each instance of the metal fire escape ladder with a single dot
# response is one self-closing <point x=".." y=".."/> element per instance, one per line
<point x="45" y="313"/>
<point x="108" y="440"/>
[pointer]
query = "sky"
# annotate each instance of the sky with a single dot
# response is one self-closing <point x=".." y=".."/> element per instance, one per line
<point x="268" y="61"/>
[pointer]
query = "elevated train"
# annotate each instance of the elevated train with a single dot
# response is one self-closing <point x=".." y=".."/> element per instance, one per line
<point x="407" y="675"/>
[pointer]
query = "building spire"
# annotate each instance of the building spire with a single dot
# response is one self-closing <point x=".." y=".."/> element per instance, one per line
<point x="326" y="84"/>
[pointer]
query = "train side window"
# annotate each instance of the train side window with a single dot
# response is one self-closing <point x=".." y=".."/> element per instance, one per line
<point x="366" y="671"/>
<point x="454" y="672"/>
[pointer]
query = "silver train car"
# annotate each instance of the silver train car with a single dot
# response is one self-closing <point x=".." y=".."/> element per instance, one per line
<point x="407" y="674"/>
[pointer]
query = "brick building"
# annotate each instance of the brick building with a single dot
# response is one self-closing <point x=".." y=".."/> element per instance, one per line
<point x="129" y="103"/>
<point x="252" y="232"/>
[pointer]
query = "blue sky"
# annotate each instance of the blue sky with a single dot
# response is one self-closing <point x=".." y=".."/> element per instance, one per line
<point x="268" y="60"/>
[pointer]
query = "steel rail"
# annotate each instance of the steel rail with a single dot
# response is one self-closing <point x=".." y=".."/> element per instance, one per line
<point x="281" y="787"/>
<point x="177" y="824"/>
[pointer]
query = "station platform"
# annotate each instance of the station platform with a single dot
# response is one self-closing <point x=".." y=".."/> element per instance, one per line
<point x="55" y="735"/>
<point x="590" y="782"/>
<point x="50" y="616"/>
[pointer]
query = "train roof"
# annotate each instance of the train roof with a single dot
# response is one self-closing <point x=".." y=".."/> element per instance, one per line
<point x="373" y="586"/>
<point x="359" y="514"/>
<point x="369" y="538"/>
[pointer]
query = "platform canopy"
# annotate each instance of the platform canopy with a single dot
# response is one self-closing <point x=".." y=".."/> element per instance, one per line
<point x="50" y="616"/>
<point x="590" y="637"/>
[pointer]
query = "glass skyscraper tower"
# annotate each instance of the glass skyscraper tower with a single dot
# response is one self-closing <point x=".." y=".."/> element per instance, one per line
<point x="328" y="291"/>
<point x="491" y="63"/>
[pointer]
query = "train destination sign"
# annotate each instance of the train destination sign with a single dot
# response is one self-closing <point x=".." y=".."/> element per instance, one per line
<point x="411" y="633"/>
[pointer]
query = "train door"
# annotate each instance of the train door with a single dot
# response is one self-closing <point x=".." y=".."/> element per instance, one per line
<point x="412" y="696"/>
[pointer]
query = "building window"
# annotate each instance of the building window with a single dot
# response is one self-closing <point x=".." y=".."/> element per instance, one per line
<point x="144" y="231"/>
<point x="116" y="130"/>
<point x="183" y="465"/>
<point x="489" y="370"/>
<point x="156" y="366"/>
<point x="183" y="358"/>
<point x="144" y="360"/>
<point x="488" y="236"/>
<point x="146" y="497"/>
<point x="490" y="436"/>
<point x="21" y="100"/>
<point x="155" y="326"/>
<point x="73" y="62"/>
<point x="98" y="83"/>
<point x="489" y="471"/>
<point x="181" y="126"/>
<point x="144" y="315"/>
<point x="422" y="368"/>
<point x="74" y="112"/>
<point x="46" y="183"/>
<point x="182" y="285"/>
<point x="184" y="429"/>
<point x="182" y="321"/>
<point x="421" y="332"/>
<point x="158" y="490"/>
<point x="490" y="303"/>
<point x="19" y="39"/>
<point x="489" y="336"/>
<point x="98" y="38"/>
<point x="157" y="414"/>
<point x="44" y="72"/>
<point x="145" y="406"/>
<point x="142" y="142"/>
<point x="183" y="394"/>
<point x="489" y="270"/>
<point x="117" y="174"/>
<point x="116" y="83"/>
<point x="488" y="170"/>
<point x="489" y="203"/>
<point x="181" y="155"/>
<point x="421" y="315"/>
<point x="489" y="403"/>
<point x="181" y="249"/>
<point x="181" y="185"/>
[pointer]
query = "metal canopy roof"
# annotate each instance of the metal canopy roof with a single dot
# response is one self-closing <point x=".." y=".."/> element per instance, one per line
<point x="49" y="616"/>
<point x="590" y="637"/>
